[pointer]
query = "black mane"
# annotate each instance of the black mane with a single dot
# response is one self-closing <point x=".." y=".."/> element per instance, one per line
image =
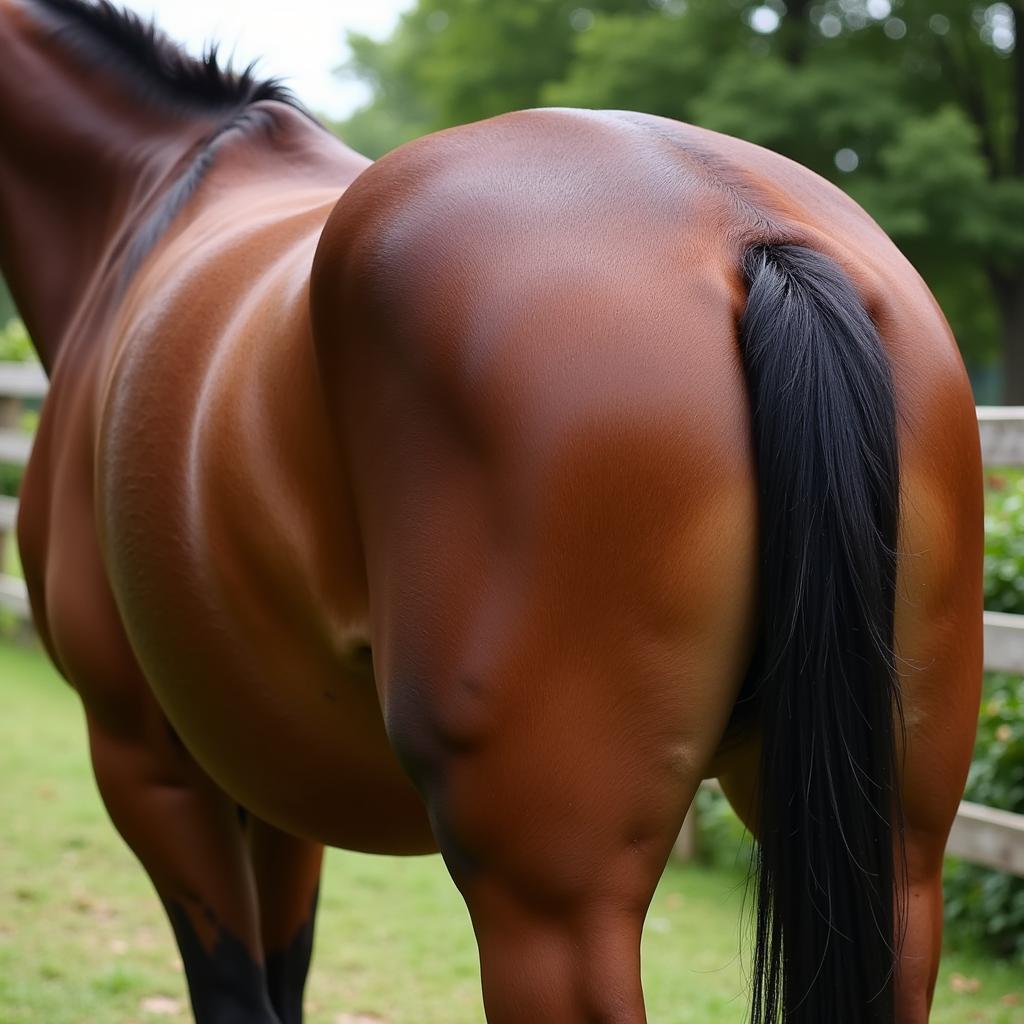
<point x="108" y="34"/>
<point x="160" y="70"/>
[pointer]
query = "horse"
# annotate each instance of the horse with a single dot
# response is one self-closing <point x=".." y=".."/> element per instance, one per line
<point x="484" y="500"/>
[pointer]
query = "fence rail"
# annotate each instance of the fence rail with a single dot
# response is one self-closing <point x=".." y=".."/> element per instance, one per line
<point x="981" y="835"/>
<point x="19" y="383"/>
<point x="1002" y="434"/>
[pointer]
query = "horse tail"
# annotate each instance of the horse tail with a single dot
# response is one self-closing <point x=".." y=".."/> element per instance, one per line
<point x="829" y="817"/>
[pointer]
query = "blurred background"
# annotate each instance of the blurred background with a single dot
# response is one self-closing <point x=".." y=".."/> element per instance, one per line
<point x="913" y="107"/>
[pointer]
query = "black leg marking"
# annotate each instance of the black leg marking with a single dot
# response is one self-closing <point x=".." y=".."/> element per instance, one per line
<point x="226" y="985"/>
<point x="287" y="970"/>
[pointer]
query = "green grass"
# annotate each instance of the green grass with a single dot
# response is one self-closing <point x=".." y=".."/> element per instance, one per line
<point x="83" y="939"/>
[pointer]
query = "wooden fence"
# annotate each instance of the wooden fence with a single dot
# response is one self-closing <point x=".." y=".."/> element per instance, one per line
<point x="19" y="383"/>
<point x="980" y="835"/>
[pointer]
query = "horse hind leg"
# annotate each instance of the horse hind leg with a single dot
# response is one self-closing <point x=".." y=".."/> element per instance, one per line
<point x="939" y="643"/>
<point x="186" y="834"/>
<point x="556" y="820"/>
<point x="287" y="874"/>
<point x="557" y="876"/>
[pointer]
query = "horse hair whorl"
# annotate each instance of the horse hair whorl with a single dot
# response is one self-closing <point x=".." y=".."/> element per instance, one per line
<point x="825" y="438"/>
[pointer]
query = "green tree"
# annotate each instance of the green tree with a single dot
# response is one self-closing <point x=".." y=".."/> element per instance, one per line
<point x="454" y="61"/>
<point x="910" y="105"/>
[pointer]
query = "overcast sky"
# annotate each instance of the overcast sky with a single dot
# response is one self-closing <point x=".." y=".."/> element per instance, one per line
<point x="301" y="40"/>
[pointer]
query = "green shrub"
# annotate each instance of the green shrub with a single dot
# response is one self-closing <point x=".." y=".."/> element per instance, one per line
<point x="10" y="480"/>
<point x="15" y="346"/>
<point x="987" y="907"/>
<point x="983" y="907"/>
<point x="1004" y="542"/>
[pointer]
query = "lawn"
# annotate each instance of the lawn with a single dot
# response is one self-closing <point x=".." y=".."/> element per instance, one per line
<point x="83" y="940"/>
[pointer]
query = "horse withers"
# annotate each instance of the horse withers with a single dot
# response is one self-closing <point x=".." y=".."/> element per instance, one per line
<point x="486" y="499"/>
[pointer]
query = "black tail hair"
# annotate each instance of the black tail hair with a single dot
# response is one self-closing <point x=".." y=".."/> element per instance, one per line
<point x="824" y="420"/>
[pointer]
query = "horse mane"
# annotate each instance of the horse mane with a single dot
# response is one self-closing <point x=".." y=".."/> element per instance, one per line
<point x="108" y="34"/>
<point x="163" y="72"/>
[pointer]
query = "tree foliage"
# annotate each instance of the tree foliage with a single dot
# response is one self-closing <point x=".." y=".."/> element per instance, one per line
<point x="454" y="61"/>
<point x="909" y="105"/>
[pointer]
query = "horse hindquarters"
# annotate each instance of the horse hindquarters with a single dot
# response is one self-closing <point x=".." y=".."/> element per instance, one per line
<point x="560" y="591"/>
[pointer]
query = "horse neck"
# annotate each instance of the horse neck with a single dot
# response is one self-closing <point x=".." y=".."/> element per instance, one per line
<point x="81" y="163"/>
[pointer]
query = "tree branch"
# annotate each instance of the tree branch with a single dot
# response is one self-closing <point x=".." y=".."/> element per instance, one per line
<point x="794" y="32"/>
<point x="1018" y="90"/>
